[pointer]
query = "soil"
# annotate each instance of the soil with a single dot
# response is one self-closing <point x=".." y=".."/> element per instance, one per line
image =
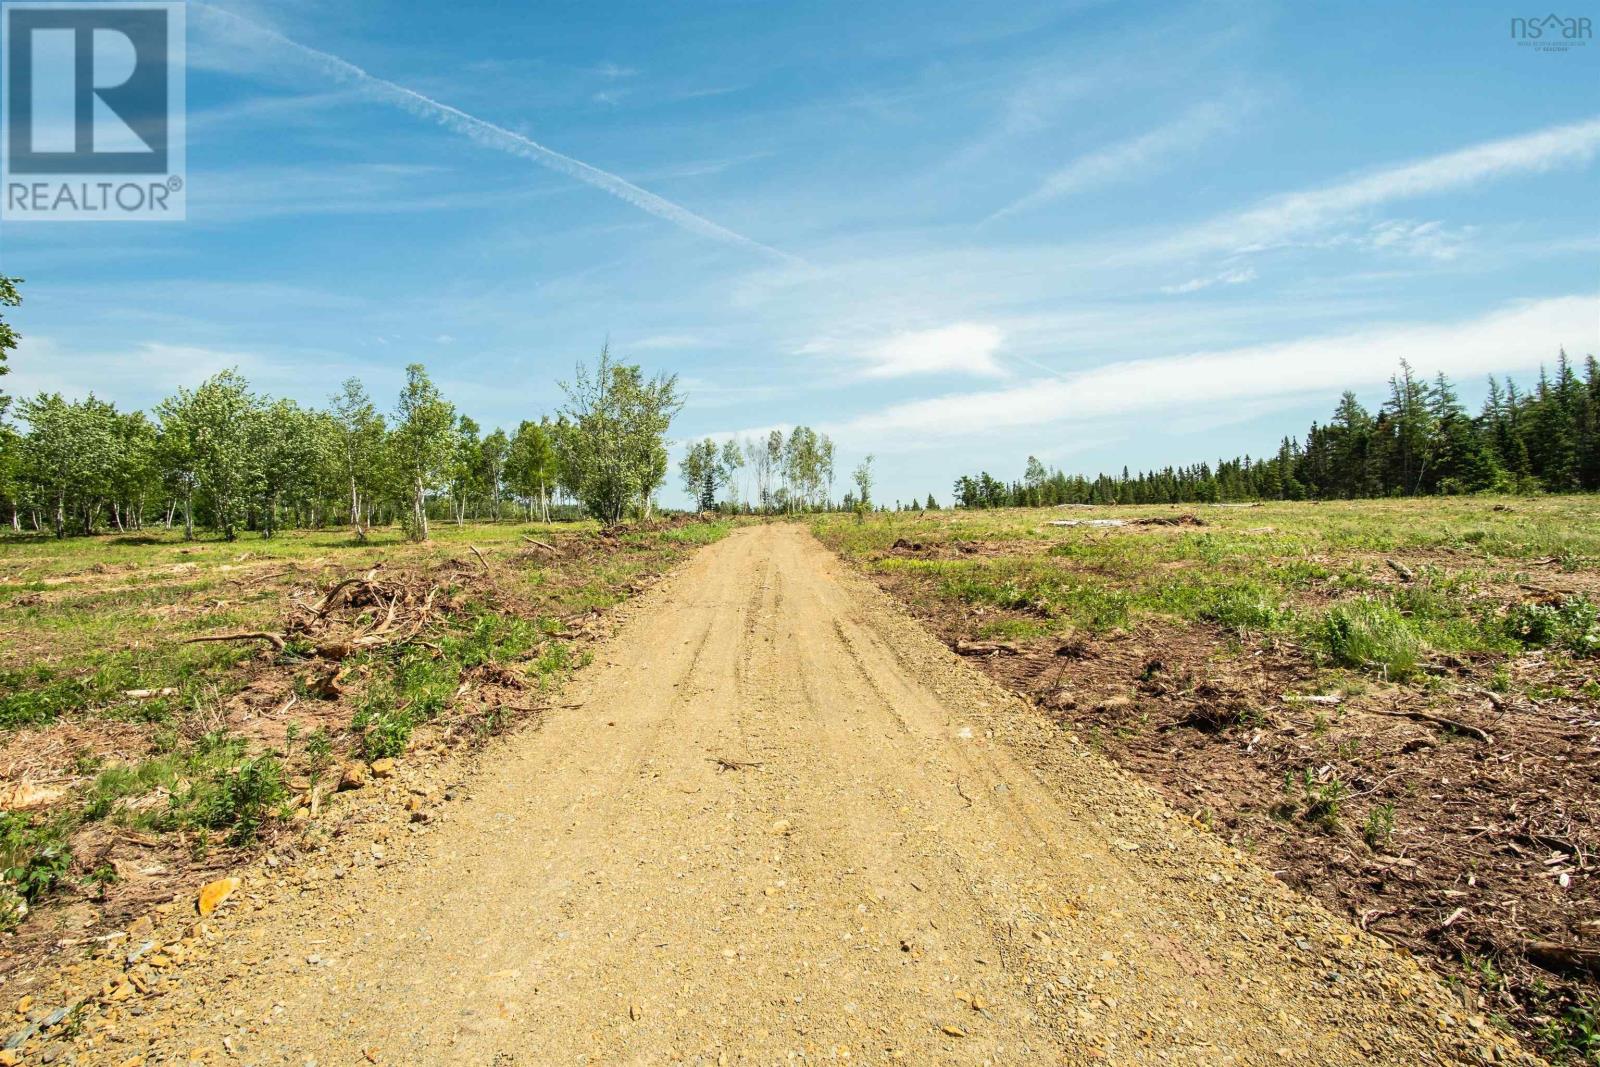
<point x="1491" y="865"/>
<point x="271" y="696"/>
<point x="774" y="822"/>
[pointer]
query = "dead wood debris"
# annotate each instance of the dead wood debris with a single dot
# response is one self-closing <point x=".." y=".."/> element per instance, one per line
<point x="725" y="764"/>
<point x="985" y="648"/>
<point x="357" y="614"/>
<point x="1437" y="720"/>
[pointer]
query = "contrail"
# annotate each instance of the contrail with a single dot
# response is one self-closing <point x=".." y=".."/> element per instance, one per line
<point x="491" y="136"/>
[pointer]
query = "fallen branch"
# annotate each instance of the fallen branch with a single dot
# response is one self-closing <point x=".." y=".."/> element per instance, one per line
<point x="1438" y="720"/>
<point x="985" y="648"/>
<point x="488" y="572"/>
<point x="1563" y="959"/>
<point x="275" y="640"/>
<point x="541" y="545"/>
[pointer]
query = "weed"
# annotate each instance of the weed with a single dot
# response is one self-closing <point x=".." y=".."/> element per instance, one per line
<point x="1378" y="828"/>
<point x="1318" y="802"/>
<point x="34" y="855"/>
<point x="1574" y="625"/>
<point x="1575" y="1036"/>
<point x="1370" y="635"/>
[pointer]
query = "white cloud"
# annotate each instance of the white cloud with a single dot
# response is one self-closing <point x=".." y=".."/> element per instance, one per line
<point x="1516" y="338"/>
<point x="1429" y="240"/>
<point x="1280" y="218"/>
<point x="960" y="348"/>
<point x="1133" y="157"/>
<point x="1237" y="276"/>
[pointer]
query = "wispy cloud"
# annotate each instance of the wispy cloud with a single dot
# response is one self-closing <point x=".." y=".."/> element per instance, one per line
<point x="1282" y="218"/>
<point x="1237" y="276"/>
<point x="1430" y="240"/>
<point x="484" y="133"/>
<point x="1511" y="339"/>
<point x="1134" y="156"/>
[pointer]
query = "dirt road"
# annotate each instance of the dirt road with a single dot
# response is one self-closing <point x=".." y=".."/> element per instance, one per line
<point x="898" y="862"/>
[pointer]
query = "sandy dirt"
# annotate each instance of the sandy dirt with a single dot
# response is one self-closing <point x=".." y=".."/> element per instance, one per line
<point x="898" y="862"/>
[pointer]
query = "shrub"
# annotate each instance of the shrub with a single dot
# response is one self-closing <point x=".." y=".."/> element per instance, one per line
<point x="1574" y="625"/>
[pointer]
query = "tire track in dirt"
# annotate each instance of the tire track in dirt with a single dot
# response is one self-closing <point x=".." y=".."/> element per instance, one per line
<point x="911" y="866"/>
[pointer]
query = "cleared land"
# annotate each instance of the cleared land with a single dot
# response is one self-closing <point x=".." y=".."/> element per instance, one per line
<point x="135" y="761"/>
<point x="1394" y="706"/>
<point x="774" y="821"/>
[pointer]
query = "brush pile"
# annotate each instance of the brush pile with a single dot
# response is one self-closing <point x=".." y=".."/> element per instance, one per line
<point x="357" y="614"/>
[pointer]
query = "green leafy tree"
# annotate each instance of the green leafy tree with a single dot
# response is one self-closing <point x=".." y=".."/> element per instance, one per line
<point x="703" y="473"/>
<point x="491" y="473"/>
<point x="532" y="466"/>
<point x="228" y="460"/>
<point x="421" y="446"/>
<point x="465" y="467"/>
<point x="732" y="463"/>
<point x="614" y="452"/>
<point x="70" y="453"/>
<point x="9" y="297"/>
<point x="358" y="449"/>
<point x="863" y="479"/>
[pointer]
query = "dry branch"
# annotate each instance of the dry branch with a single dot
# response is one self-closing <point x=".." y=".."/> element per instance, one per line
<point x="275" y="640"/>
<point x="985" y="648"/>
<point x="1564" y="959"/>
<point x="1437" y="720"/>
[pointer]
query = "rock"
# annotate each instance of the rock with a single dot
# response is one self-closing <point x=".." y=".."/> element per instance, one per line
<point x="353" y="776"/>
<point x="10" y="1057"/>
<point x="215" y="893"/>
<point x="1114" y="704"/>
<point x="383" y="768"/>
<point x="20" y="1038"/>
<point x="25" y="795"/>
<point x="141" y="928"/>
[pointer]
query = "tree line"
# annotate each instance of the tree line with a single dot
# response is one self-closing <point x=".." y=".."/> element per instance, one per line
<point x="224" y="457"/>
<point x="789" y="474"/>
<point x="1421" y="441"/>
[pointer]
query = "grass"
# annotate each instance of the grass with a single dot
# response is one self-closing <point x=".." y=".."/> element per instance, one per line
<point x="94" y="629"/>
<point x="1371" y="635"/>
<point x="1267" y="644"/>
<point x="1316" y="575"/>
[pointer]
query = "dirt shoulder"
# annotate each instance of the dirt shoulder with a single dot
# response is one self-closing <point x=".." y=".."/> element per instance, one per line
<point x="1455" y="813"/>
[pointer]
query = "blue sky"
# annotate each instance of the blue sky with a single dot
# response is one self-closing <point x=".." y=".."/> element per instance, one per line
<point x="948" y="234"/>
